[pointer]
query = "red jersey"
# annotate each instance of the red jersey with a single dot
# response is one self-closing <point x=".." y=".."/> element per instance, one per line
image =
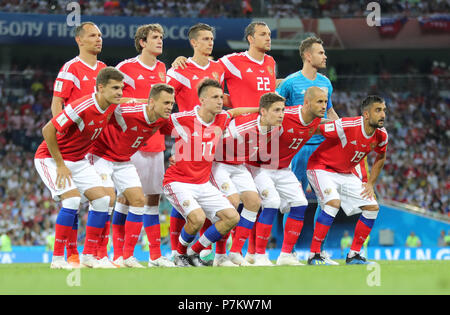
<point x="245" y="141"/>
<point x="247" y="79"/>
<point x="78" y="126"/>
<point x="139" y="78"/>
<point x="129" y="128"/>
<point x="76" y="79"/>
<point x="185" y="81"/>
<point x="345" y="145"/>
<point x="195" y="145"/>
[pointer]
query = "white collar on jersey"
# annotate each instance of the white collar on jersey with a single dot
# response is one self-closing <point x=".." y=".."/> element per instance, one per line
<point x="90" y="67"/>
<point x="196" y="108"/>
<point x="96" y="104"/>
<point x="144" y="65"/>
<point x="197" y="65"/>
<point x="301" y="117"/>
<point x="253" y="59"/>
<point x="363" y="131"/>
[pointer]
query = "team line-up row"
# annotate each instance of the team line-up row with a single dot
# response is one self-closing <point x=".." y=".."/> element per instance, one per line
<point x="112" y="155"/>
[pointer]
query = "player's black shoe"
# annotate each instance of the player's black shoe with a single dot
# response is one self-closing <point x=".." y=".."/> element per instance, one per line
<point x="357" y="259"/>
<point x="182" y="261"/>
<point x="195" y="260"/>
<point x="317" y="259"/>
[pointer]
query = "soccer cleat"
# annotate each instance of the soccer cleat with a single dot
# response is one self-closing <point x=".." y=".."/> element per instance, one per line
<point x="288" y="259"/>
<point x="58" y="262"/>
<point x="161" y="262"/>
<point x="250" y="258"/>
<point x="357" y="259"/>
<point x="132" y="262"/>
<point x="74" y="260"/>
<point x="262" y="260"/>
<point x="328" y="259"/>
<point x="104" y="263"/>
<point x="317" y="259"/>
<point x="88" y="261"/>
<point x="237" y="259"/>
<point x="196" y="261"/>
<point x="119" y="262"/>
<point x="223" y="261"/>
<point x="181" y="261"/>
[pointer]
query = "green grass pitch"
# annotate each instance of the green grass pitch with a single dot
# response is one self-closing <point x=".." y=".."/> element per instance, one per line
<point x="387" y="277"/>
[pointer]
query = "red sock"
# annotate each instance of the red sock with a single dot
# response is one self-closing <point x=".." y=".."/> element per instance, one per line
<point x="241" y="234"/>
<point x="154" y="238"/>
<point x="132" y="232"/>
<point x="320" y="232"/>
<point x="102" y="248"/>
<point x="181" y="249"/>
<point x="91" y="240"/>
<point x="221" y="245"/>
<point x="62" y="233"/>
<point x="262" y="237"/>
<point x="252" y="241"/>
<point x="118" y="232"/>
<point x="71" y="244"/>
<point x="292" y="230"/>
<point x="176" y="225"/>
<point x="198" y="247"/>
<point x="360" y="236"/>
<point x="205" y="226"/>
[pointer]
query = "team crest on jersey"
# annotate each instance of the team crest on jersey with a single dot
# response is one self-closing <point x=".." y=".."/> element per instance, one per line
<point x="327" y="191"/>
<point x="270" y="70"/>
<point x="162" y="76"/>
<point x="104" y="177"/>
<point x="265" y="193"/>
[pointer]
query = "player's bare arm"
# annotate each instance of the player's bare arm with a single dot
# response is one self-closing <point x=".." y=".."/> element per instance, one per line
<point x="57" y="105"/>
<point x="242" y="110"/>
<point x="63" y="173"/>
<point x="179" y="62"/>
<point x="331" y="114"/>
<point x="368" y="191"/>
<point x="133" y="100"/>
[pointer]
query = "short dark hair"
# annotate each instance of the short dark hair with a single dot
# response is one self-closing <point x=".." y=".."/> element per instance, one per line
<point x="307" y="44"/>
<point x="194" y="29"/>
<point x="207" y="83"/>
<point x="369" y="101"/>
<point x="266" y="100"/>
<point x="156" y="90"/>
<point x="250" y="29"/>
<point x="79" y="30"/>
<point x="108" y="73"/>
<point x="142" y="33"/>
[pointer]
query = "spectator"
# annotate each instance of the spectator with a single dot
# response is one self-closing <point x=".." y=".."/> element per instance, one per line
<point x="5" y="241"/>
<point x="441" y="240"/>
<point x="413" y="240"/>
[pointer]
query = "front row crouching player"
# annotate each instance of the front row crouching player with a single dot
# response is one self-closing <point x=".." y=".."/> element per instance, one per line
<point x="347" y="142"/>
<point x="131" y="126"/>
<point x="186" y="183"/>
<point x="61" y="164"/>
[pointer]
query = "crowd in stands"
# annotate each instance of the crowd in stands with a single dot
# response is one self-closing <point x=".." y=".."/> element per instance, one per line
<point x="230" y="8"/>
<point x="416" y="171"/>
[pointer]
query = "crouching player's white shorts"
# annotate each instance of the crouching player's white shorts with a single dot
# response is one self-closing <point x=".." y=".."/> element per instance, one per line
<point x="345" y="187"/>
<point x="187" y="197"/>
<point x="118" y="175"/>
<point x="150" y="168"/>
<point x="275" y="185"/>
<point x="232" y="179"/>
<point x="84" y="176"/>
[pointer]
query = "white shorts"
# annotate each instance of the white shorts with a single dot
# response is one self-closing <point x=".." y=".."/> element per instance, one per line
<point x="119" y="175"/>
<point x="232" y="179"/>
<point x="345" y="187"/>
<point x="150" y="168"/>
<point x="84" y="176"/>
<point x="278" y="188"/>
<point x="187" y="197"/>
